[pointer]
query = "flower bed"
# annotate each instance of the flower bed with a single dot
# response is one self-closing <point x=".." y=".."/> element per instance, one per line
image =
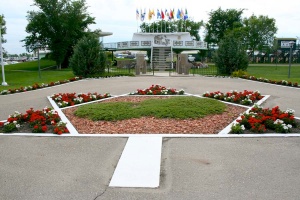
<point x="260" y="120"/>
<point x="245" y="98"/>
<point x="282" y="82"/>
<point x="158" y="90"/>
<point x="70" y="99"/>
<point x="39" y="121"/>
<point x="38" y="86"/>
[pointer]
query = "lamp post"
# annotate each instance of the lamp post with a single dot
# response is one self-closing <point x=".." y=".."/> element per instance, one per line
<point x="291" y="43"/>
<point x="1" y="52"/>
<point x="38" y="46"/>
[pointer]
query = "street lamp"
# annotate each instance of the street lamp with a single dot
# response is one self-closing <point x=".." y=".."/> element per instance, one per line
<point x="38" y="46"/>
<point x="1" y="52"/>
<point x="291" y="43"/>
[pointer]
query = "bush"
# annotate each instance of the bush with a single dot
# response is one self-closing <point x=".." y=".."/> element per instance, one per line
<point x="231" y="56"/>
<point x="238" y="73"/>
<point x="89" y="58"/>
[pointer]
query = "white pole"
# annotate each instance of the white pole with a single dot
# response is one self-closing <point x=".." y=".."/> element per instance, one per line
<point x="1" y="50"/>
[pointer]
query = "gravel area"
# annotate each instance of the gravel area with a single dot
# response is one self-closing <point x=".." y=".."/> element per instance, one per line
<point x="211" y="124"/>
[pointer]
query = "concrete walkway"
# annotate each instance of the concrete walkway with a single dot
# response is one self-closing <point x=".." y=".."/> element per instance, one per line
<point x="191" y="168"/>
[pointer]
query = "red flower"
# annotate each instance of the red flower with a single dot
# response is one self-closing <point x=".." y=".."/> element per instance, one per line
<point x="44" y="128"/>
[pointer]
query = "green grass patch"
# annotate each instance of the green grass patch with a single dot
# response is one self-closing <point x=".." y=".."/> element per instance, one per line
<point x="173" y="107"/>
<point x="273" y="72"/>
<point x="31" y="65"/>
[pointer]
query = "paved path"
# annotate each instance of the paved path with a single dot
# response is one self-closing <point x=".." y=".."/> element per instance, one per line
<point x="191" y="168"/>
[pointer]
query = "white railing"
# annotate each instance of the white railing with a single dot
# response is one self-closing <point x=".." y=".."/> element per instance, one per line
<point x="177" y="44"/>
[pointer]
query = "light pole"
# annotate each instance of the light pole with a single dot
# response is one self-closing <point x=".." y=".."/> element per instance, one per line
<point x="38" y="46"/>
<point x="291" y="43"/>
<point x="1" y="52"/>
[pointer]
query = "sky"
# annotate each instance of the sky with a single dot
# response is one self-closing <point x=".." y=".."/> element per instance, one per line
<point x="119" y="16"/>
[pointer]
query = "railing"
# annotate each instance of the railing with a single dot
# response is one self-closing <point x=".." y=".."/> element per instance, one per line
<point x="177" y="44"/>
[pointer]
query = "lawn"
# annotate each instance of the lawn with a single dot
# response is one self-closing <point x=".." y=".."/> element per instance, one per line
<point x="273" y="72"/>
<point x="25" y="74"/>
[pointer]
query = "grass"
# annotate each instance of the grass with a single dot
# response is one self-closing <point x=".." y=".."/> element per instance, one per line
<point x="174" y="107"/>
<point x="269" y="71"/>
<point x="25" y="74"/>
<point x="273" y="72"/>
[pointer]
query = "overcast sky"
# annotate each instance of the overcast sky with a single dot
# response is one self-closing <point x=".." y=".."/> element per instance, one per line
<point x="119" y="16"/>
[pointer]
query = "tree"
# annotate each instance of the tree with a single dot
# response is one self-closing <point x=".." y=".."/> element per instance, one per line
<point x="173" y="26"/>
<point x="89" y="58"/>
<point x="3" y="31"/>
<point x="231" y="55"/>
<point x="58" y="25"/>
<point x="260" y="32"/>
<point x="220" y="22"/>
<point x="3" y="28"/>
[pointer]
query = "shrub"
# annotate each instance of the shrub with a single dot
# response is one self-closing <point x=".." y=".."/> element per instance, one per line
<point x="231" y="56"/>
<point x="88" y="58"/>
<point x="238" y="73"/>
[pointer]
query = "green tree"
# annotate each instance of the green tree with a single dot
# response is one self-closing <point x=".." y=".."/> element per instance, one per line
<point x="221" y="22"/>
<point x="173" y="26"/>
<point x="3" y="28"/>
<point x="58" y="25"/>
<point x="89" y="58"/>
<point x="3" y="31"/>
<point x="260" y="32"/>
<point x="231" y="55"/>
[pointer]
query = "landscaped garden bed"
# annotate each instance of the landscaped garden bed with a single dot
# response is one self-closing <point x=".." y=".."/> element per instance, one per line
<point x="156" y="110"/>
<point x="211" y="123"/>
<point x="265" y="80"/>
<point x="71" y="99"/>
<point x="46" y="120"/>
<point x="38" y="86"/>
<point x="260" y="120"/>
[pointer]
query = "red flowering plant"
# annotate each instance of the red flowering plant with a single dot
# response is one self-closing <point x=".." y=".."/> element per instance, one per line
<point x="246" y="97"/>
<point x="158" y="90"/>
<point x="38" y="86"/>
<point x="39" y="121"/>
<point x="282" y="82"/>
<point x="260" y="120"/>
<point x="70" y="99"/>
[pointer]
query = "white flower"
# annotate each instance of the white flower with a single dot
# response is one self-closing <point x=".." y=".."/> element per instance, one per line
<point x="15" y="122"/>
<point x="243" y="127"/>
<point x="18" y="125"/>
<point x="290" y="111"/>
<point x="278" y="121"/>
<point x="289" y="126"/>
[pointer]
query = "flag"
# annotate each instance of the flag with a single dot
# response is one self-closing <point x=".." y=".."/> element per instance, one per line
<point x="178" y="14"/>
<point x="149" y="15"/>
<point x="181" y="14"/>
<point x="171" y="14"/>
<point x="137" y="14"/>
<point x="166" y="13"/>
<point x="162" y="15"/>
<point x="186" y="15"/>
<point x="152" y="13"/>
<point x="158" y="15"/>
<point x="143" y="14"/>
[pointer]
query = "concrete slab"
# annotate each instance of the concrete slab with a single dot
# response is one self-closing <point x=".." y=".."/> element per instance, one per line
<point x="139" y="165"/>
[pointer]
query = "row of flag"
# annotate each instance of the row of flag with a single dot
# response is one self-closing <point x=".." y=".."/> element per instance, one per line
<point x="161" y="15"/>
